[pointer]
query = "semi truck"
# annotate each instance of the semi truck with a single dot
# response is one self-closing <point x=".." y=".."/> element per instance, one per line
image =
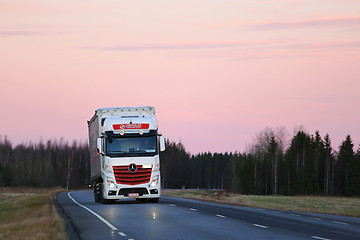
<point x="124" y="154"/>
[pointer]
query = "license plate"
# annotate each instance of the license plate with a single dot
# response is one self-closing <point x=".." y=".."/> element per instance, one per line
<point x="133" y="194"/>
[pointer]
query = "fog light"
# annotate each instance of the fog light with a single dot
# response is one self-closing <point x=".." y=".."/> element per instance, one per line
<point x="154" y="191"/>
<point x="112" y="193"/>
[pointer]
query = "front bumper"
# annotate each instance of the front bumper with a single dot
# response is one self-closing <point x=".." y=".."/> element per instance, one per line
<point x="113" y="190"/>
<point x="128" y="192"/>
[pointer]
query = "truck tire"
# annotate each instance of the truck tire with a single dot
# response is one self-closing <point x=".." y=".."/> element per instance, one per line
<point x="101" y="195"/>
<point x="96" y="192"/>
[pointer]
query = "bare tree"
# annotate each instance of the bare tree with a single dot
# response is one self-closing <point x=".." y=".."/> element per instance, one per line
<point x="268" y="146"/>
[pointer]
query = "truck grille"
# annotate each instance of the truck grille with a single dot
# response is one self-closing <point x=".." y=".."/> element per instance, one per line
<point x="124" y="176"/>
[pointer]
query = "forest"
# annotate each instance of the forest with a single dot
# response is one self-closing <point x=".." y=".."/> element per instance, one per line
<point x="304" y="165"/>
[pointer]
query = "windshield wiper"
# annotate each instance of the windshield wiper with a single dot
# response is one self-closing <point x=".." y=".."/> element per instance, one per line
<point x="141" y="151"/>
<point x="112" y="152"/>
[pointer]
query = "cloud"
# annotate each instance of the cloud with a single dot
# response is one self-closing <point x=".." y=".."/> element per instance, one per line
<point x="171" y="46"/>
<point x="185" y="46"/>
<point x="20" y="33"/>
<point x="325" y="22"/>
<point x="292" y="48"/>
<point x="327" y="45"/>
<point x="251" y="45"/>
<point x="312" y="23"/>
<point x="242" y="51"/>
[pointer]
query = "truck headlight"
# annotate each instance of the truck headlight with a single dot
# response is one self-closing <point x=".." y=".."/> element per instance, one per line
<point x="154" y="181"/>
<point x="110" y="183"/>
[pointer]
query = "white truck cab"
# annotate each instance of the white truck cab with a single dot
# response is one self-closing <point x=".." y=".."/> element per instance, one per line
<point x="124" y="154"/>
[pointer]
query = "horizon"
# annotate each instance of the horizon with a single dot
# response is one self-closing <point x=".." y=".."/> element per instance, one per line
<point x="247" y="150"/>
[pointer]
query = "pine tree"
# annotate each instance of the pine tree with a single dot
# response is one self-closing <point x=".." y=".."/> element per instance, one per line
<point x="346" y="155"/>
<point x="328" y="165"/>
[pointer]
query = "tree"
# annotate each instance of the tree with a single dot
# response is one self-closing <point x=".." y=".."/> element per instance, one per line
<point x="328" y="166"/>
<point x="354" y="176"/>
<point x="317" y="145"/>
<point x="268" y="149"/>
<point x="346" y="157"/>
<point x="274" y="154"/>
<point x="297" y="156"/>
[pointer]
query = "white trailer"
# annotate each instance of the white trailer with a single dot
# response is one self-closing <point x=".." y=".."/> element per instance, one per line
<point x="124" y="154"/>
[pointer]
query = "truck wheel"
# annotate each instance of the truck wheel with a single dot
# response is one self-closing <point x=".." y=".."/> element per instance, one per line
<point x="96" y="192"/>
<point x="101" y="195"/>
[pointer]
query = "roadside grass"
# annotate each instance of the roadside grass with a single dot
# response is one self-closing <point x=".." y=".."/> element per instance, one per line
<point x="345" y="206"/>
<point x="29" y="213"/>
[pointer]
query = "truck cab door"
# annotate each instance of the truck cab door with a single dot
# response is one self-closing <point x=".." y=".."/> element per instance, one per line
<point x="100" y="145"/>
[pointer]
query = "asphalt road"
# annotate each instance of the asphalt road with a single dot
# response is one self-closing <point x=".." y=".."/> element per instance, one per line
<point x="175" y="218"/>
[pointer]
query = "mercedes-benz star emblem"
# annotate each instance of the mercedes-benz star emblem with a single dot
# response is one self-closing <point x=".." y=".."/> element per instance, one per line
<point x="132" y="167"/>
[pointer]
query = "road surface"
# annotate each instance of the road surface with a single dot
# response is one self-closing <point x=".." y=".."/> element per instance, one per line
<point x="175" y="218"/>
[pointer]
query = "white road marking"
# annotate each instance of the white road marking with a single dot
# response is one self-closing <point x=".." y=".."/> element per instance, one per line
<point x="94" y="213"/>
<point x="343" y="223"/>
<point x="294" y="215"/>
<point x="192" y="209"/>
<point x="173" y="205"/>
<point x="260" y="226"/>
<point x="220" y="216"/>
<point x="122" y="234"/>
<point x="319" y="219"/>
<point x="320" y="238"/>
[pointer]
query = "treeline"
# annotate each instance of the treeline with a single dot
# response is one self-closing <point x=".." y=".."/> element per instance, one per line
<point x="53" y="163"/>
<point x="308" y="166"/>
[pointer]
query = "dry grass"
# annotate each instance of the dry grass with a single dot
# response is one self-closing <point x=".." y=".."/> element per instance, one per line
<point x="329" y="205"/>
<point x="29" y="214"/>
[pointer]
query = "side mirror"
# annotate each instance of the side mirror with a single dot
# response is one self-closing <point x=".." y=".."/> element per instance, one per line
<point x="162" y="143"/>
<point x="99" y="146"/>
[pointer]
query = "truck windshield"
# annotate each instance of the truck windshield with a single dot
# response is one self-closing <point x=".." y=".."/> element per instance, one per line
<point x="131" y="146"/>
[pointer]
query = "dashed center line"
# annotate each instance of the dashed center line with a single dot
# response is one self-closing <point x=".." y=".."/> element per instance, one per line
<point x="320" y="238"/>
<point x="122" y="234"/>
<point x="315" y="218"/>
<point x="193" y="209"/>
<point x="260" y="226"/>
<point x="220" y="216"/>
<point x="296" y="215"/>
<point x="343" y="223"/>
<point x="173" y="205"/>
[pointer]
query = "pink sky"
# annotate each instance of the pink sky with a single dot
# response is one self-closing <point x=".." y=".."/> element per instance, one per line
<point x="217" y="72"/>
